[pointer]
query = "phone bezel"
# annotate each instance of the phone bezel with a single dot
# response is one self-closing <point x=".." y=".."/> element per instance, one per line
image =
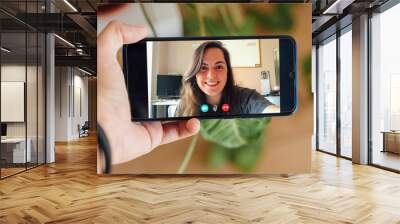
<point x="293" y="81"/>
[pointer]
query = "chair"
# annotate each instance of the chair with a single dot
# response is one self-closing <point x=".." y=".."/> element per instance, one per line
<point x="84" y="130"/>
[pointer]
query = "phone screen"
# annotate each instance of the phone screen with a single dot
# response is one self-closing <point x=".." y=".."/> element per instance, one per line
<point x="213" y="78"/>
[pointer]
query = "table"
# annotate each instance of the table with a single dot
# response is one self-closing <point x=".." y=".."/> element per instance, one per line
<point x="15" y="148"/>
<point x="391" y="141"/>
<point x="274" y="99"/>
<point x="163" y="108"/>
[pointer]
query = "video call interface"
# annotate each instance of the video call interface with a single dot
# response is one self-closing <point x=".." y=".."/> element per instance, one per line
<point x="213" y="77"/>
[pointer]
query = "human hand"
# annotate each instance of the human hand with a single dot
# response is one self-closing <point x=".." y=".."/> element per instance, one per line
<point x="128" y="140"/>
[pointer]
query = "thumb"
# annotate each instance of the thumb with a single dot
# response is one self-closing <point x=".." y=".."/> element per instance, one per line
<point x="115" y="34"/>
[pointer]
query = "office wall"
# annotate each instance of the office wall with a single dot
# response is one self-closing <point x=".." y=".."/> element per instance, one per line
<point x="15" y="72"/>
<point x="25" y="61"/>
<point x="62" y="80"/>
<point x="250" y="77"/>
<point x="33" y="126"/>
<point x="80" y="110"/>
<point x="71" y="102"/>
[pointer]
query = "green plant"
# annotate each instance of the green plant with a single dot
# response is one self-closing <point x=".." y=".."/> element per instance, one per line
<point x="279" y="19"/>
<point x="220" y="23"/>
<point x="236" y="140"/>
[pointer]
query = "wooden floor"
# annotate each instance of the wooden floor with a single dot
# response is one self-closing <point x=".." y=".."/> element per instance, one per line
<point x="8" y="171"/>
<point x="387" y="159"/>
<point x="5" y="172"/>
<point x="69" y="191"/>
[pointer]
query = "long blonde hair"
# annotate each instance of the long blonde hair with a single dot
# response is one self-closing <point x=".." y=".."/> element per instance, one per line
<point x="191" y="95"/>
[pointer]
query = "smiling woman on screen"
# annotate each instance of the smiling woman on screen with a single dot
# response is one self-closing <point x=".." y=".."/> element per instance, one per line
<point x="209" y="87"/>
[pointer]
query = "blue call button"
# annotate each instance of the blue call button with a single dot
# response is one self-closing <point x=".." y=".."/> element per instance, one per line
<point x="204" y="108"/>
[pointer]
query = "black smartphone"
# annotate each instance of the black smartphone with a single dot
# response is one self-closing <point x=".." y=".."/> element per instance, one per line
<point x="211" y="77"/>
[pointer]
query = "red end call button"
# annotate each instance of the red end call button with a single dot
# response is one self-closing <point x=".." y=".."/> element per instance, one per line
<point x="225" y="107"/>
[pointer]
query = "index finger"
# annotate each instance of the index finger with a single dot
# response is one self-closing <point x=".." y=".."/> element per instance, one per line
<point x="115" y="34"/>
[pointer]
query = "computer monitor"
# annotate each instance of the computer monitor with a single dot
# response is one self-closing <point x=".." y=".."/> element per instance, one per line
<point x="3" y="129"/>
<point x="169" y="86"/>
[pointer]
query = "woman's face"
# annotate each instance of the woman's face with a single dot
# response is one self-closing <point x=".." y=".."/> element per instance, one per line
<point x="213" y="74"/>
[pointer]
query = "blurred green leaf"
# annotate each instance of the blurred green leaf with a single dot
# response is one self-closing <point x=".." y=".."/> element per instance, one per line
<point x="191" y="6"/>
<point x="307" y="64"/>
<point x="246" y="157"/>
<point x="238" y="140"/>
<point x="233" y="133"/>
<point x="215" y="28"/>
<point x="284" y="9"/>
<point x="191" y="25"/>
<point x="218" y="155"/>
<point x="278" y="20"/>
<point x="247" y="28"/>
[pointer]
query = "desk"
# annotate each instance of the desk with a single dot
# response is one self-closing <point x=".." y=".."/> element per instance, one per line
<point x="164" y="107"/>
<point x="274" y="99"/>
<point x="13" y="150"/>
<point x="391" y="141"/>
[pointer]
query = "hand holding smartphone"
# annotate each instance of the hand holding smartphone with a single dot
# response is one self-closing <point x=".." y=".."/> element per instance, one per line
<point x="119" y="139"/>
<point x="211" y="77"/>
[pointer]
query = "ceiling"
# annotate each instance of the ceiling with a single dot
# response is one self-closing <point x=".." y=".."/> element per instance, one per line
<point x="75" y="21"/>
<point x="72" y="20"/>
<point x="330" y="15"/>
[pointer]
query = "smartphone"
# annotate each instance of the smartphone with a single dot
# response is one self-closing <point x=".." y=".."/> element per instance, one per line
<point x="211" y="77"/>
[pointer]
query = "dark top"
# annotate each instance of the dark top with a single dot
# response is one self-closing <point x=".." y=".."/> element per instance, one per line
<point x="250" y="101"/>
<point x="247" y="101"/>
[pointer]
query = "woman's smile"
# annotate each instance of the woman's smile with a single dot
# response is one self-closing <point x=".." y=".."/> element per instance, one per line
<point x="211" y="83"/>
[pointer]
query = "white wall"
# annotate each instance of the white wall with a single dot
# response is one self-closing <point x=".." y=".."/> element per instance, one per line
<point x="11" y="73"/>
<point x="33" y="126"/>
<point x="62" y="102"/>
<point x="71" y="94"/>
<point x="79" y="117"/>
